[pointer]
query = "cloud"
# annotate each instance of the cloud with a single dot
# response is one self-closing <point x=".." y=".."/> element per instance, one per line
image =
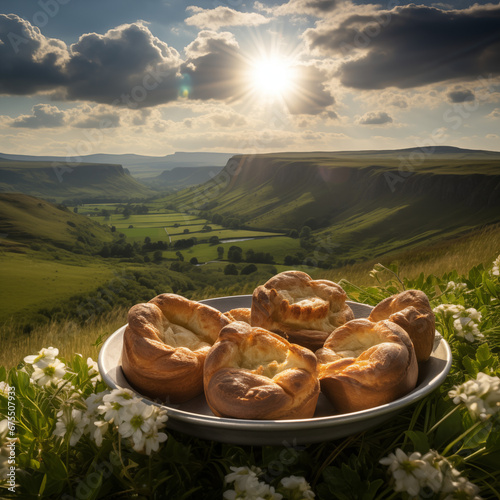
<point x="375" y="118"/>
<point x="99" y="117"/>
<point x="221" y="16"/>
<point x="43" y="116"/>
<point x="460" y="95"/>
<point x="30" y="62"/>
<point x="316" y="8"/>
<point x="127" y="66"/>
<point x="410" y="46"/>
<point x="308" y="94"/>
<point x="215" y="67"/>
<point x="494" y="115"/>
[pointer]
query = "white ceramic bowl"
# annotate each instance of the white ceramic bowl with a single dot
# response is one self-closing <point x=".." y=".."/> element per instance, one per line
<point x="194" y="417"/>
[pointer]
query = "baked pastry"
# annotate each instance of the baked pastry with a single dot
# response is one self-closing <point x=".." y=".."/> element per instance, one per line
<point x="256" y="374"/>
<point x="365" y="364"/>
<point x="165" y="345"/>
<point x="412" y="311"/>
<point x="239" y="314"/>
<point x="303" y="310"/>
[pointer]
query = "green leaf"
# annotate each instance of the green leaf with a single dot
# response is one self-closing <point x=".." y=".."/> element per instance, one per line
<point x="420" y="440"/>
<point x="470" y="365"/>
<point x="54" y="466"/>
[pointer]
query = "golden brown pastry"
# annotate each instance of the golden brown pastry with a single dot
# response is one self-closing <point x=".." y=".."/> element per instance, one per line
<point x="303" y="310"/>
<point x="365" y="364"/>
<point x="252" y="373"/>
<point x="239" y="314"/>
<point x="412" y="311"/>
<point x="165" y="345"/>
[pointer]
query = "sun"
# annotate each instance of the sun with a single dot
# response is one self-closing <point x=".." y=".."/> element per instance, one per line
<point x="272" y="76"/>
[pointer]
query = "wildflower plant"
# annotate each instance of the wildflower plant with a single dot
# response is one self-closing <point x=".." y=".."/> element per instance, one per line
<point x="74" y="437"/>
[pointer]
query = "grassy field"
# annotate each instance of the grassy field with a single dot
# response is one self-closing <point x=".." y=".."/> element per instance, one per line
<point x="30" y="282"/>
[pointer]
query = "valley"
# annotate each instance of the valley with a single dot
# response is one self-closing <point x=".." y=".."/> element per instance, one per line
<point x="330" y="214"/>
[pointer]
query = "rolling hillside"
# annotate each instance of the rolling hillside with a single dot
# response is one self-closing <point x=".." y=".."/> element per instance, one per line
<point x="25" y="220"/>
<point x="68" y="182"/>
<point x="181" y="177"/>
<point x="358" y="204"/>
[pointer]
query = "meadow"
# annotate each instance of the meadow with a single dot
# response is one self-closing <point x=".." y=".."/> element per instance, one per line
<point x="443" y="446"/>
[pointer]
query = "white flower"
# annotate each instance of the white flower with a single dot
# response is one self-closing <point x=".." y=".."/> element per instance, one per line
<point x="448" y="310"/>
<point x="4" y="388"/>
<point x="114" y="403"/>
<point x="455" y="288"/>
<point x="43" y="358"/>
<point x="70" y="423"/>
<point x="153" y="439"/>
<point x="410" y="472"/>
<point x="138" y="421"/>
<point x="495" y="270"/>
<point x="247" y="485"/>
<point x="481" y="396"/>
<point x="461" y="489"/>
<point x="53" y="371"/>
<point x="300" y="485"/>
<point x="93" y="371"/>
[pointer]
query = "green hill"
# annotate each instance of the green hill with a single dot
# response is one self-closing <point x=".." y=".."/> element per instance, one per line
<point x="359" y="204"/>
<point x="70" y="183"/>
<point x="25" y="220"/>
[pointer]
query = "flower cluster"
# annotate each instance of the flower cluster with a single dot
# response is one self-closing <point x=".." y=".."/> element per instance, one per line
<point x="495" y="270"/>
<point x="416" y="474"/>
<point x="465" y="321"/>
<point x="47" y="368"/>
<point x="246" y="486"/>
<point x="455" y="288"/>
<point x="481" y="396"/>
<point x="118" y="410"/>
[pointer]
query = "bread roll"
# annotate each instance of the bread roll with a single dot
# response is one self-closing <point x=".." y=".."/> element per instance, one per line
<point x="239" y="314"/>
<point x="365" y="364"/>
<point x="252" y="373"/>
<point x="303" y="310"/>
<point x="165" y="345"/>
<point x="412" y="311"/>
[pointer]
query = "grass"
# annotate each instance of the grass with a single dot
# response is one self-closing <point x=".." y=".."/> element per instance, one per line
<point x="30" y="282"/>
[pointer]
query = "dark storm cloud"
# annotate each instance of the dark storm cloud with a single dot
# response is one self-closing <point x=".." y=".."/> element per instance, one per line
<point x="412" y="46"/>
<point x="44" y="116"/>
<point x="29" y="62"/>
<point x="317" y="8"/>
<point x="456" y="96"/>
<point x="126" y="66"/>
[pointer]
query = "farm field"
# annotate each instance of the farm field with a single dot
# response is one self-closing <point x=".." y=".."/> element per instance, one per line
<point x="170" y="226"/>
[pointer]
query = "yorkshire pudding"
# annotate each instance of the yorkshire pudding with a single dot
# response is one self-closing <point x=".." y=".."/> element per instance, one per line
<point x="412" y="311"/>
<point x="365" y="364"/>
<point x="255" y="374"/>
<point x="300" y="309"/>
<point x="165" y="345"/>
<point x="239" y="314"/>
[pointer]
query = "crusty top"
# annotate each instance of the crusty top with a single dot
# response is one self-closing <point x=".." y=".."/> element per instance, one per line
<point x="253" y="373"/>
<point x="300" y="308"/>
<point x="412" y="311"/>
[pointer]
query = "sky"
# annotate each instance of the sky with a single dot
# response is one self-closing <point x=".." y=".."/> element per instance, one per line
<point x="153" y="77"/>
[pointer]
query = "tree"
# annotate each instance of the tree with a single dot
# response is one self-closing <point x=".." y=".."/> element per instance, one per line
<point x="220" y="252"/>
<point x="305" y="232"/>
<point x="293" y="234"/>
<point x="193" y="261"/>
<point x="157" y="256"/>
<point x="213" y="240"/>
<point x="186" y="231"/>
<point x="235" y="254"/>
<point x="179" y="255"/>
<point x="230" y="269"/>
<point x="251" y="268"/>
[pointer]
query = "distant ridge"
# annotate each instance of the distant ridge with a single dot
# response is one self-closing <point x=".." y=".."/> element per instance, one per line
<point x="138" y="165"/>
